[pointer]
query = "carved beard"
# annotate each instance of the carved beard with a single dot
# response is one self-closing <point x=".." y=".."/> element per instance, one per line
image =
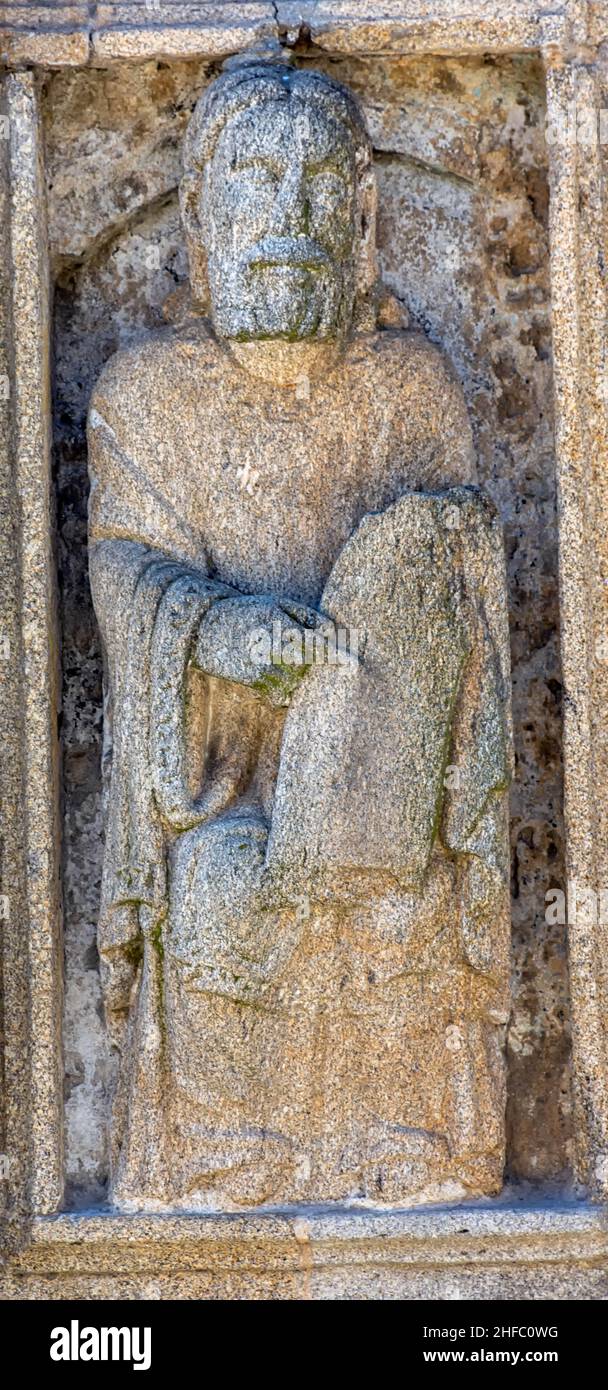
<point x="292" y="302"/>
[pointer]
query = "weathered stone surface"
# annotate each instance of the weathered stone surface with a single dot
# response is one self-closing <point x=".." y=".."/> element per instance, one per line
<point x="211" y="30"/>
<point x="56" y="35"/>
<point x="52" y="34"/>
<point x="464" y="246"/>
<point x="122" y="252"/>
<point x="577" y="225"/>
<point x="477" y="292"/>
<point x="270" y="1052"/>
<point x="474" y="1252"/>
<point x="142" y="271"/>
<point x="408" y="26"/>
<point x="30" y="918"/>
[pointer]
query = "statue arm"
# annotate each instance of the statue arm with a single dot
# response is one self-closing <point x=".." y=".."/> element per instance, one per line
<point x="258" y="642"/>
<point x="131" y="521"/>
<point x="431" y="417"/>
<point x="452" y="452"/>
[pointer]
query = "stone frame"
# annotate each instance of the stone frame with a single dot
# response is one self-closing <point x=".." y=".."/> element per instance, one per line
<point x="498" y="1250"/>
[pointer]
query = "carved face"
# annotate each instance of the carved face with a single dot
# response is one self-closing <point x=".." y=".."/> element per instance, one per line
<point x="281" y="223"/>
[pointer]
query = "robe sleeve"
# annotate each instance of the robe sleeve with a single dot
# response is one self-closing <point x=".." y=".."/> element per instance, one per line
<point x="150" y="590"/>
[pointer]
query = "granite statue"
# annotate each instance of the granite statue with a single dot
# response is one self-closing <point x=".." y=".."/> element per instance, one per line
<point x="304" y="926"/>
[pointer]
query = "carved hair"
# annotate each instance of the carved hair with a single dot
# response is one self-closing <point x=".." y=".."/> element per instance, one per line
<point x="250" y="80"/>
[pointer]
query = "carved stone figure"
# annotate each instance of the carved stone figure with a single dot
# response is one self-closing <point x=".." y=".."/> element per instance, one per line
<point x="304" y="926"/>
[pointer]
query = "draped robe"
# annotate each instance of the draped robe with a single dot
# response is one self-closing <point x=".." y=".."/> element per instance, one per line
<point x="304" y="923"/>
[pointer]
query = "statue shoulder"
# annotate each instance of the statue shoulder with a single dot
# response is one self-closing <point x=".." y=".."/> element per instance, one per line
<point x="413" y="361"/>
<point x="144" y="376"/>
<point x="429" y="410"/>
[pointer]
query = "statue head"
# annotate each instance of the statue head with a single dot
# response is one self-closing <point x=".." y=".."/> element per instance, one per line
<point x="278" y="203"/>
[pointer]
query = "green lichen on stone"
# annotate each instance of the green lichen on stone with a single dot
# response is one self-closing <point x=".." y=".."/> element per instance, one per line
<point x="134" y="951"/>
<point x="280" y="681"/>
<point x="156" y="940"/>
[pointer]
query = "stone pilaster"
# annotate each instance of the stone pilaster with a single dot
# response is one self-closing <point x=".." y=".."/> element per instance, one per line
<point x="29" y="751"/>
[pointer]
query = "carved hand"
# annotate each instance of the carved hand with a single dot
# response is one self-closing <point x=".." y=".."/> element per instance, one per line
<point x="258" y="642"/>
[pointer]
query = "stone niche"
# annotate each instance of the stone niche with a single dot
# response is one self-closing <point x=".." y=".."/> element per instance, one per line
<point x="486" y="135"/>
<point x="463" y="209"/>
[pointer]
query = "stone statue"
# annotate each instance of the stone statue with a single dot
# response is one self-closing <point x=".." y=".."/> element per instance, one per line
<point x="304" y="926"/>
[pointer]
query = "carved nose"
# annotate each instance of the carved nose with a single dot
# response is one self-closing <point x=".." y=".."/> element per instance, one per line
<point x="290" y="216"/>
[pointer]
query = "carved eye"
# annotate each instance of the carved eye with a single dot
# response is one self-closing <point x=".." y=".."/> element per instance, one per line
<point x="329" y="189"/>
<point x="257" y="176"/>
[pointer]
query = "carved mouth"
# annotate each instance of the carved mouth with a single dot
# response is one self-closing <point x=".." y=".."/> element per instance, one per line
<point x="291" y="253"/>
